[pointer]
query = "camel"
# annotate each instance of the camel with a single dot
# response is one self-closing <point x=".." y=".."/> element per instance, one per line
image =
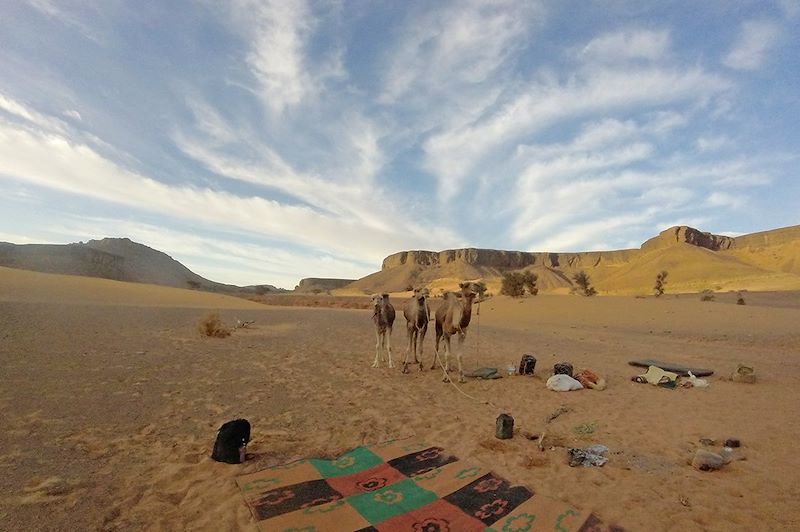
<point x="383" y="317"/>
<point x="452" y="317"/>
<point x="417" y="313"/>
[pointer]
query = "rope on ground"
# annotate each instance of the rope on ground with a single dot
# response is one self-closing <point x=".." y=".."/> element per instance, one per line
<point x="462" y="392"/>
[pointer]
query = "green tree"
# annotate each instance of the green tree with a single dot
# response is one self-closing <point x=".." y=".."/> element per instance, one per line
<point x="529" y="280"/>
<point x="584" y="283"/>
<point x="661" y="280"/>
<point x="513" y="284"/>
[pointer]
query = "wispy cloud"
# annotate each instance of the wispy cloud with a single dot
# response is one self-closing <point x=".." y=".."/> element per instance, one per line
<point x="277" y="33"/>
<point x="454" y="154"/>
<point x="623" y="46"/>
<point x="752" y="47"/>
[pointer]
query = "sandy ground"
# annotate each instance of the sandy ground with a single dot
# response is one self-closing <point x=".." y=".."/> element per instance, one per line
<point x="110" y="400"/>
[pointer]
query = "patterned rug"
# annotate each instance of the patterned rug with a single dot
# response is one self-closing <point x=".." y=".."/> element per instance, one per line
<point x="400" y="486"/>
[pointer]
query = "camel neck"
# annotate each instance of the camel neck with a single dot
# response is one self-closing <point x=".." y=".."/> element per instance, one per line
<point x="467" y="315"/>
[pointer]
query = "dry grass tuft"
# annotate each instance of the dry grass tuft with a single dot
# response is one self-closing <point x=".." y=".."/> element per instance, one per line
<point x="212" y="326"/>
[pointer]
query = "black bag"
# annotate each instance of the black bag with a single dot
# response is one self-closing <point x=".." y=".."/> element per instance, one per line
<point x="563" y="368"/>
<point x="232" y="441"/>
<point x="527" y="364"/>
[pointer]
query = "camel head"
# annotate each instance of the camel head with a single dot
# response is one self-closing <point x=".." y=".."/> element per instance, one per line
<point x="420" y="294"/>
<point x="379" y="300"/>
<point x="470" y="289"/>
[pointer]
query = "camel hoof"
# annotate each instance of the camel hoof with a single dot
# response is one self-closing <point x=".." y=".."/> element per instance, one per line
<point x="462" y="380"/>
<point x="445" y="379"/>
<point x="405" y="369"/>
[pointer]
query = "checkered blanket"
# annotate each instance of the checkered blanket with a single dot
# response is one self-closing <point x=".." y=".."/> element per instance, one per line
<point x="400" y="486"/>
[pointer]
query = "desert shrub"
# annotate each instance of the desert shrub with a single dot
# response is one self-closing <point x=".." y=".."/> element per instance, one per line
<point x="262" y="289"/>
<point x="584" y="283"/>
<point x="194" y="285"/>
<point x="513" y="284"/>
<point x="529" y="280"/>
<point x="707" y="295"/>
<point x="739" y="298"/>
<point x="410" y="288"/>
<point x="661" y="280"/>
<point x="212" y="326"/>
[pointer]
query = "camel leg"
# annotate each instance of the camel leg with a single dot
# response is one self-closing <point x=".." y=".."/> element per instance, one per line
<point x="389" y="346"/>
<point x="439" y="333"/>
<point x="408" y="348"/>
<point x="420" y="344"/>
<point x="458" y="357"/>
<point x="377" y="364"/>
<point x="446" y="358"/>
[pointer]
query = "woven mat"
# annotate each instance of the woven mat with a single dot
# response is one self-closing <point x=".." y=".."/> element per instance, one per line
<point x="401" y="486"/>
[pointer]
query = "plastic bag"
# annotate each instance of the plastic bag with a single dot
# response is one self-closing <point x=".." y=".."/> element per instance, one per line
<point x="563" y="383"/>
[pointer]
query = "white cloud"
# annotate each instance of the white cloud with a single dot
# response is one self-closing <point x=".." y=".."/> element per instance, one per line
<point x="72" y="113"/>
<point x="453" y="154"/>
<point x="456" y="45"/>
<point x="53" y="161"/>
<point x="20" y="110"/>
<point x="627" y="45"/>
<point x="711" y="143"/>
<point x="724" y="199"/>
<point x="755" y="41"/>
<point x="278" y="33"/>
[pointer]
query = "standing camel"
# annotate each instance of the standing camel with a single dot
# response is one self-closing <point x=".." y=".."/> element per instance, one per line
<point x="417" y="313"/>
<point x="383" y="317"/>
<point x="452" y="317"/>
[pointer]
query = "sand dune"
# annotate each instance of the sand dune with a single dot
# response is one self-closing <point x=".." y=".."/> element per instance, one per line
<point x="110" y="400"/>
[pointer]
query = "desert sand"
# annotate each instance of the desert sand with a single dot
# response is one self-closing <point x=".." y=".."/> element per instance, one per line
<point x="110" y="400"/>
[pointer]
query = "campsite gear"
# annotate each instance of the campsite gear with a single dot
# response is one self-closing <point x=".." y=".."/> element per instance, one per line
<point x="483" y="373"/>
<point x="675" y="368"/>
<point x="527" y="364"/>
<point x="594" y="455"/>
<point x="231" y="443"/>
<point x="589" y="379"/>
<point x="390" y="486"/>
<point x="563" y="383"/>
<point x="657" y="376"/>
<point x="744" y="374"/>
<point x="563" y="368"/>
<point x="511" y="369"/>
<point x="732" y="442"/>
<point x="697" y="383"/>
<point x="707" y="461"/>
<point x="504" y="427"/>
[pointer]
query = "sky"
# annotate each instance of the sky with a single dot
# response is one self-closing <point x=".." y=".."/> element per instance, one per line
<point x="261" y="142"/>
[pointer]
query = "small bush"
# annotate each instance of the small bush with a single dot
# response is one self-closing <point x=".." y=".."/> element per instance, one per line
<point x="513" y="284"/>
<point x="529" y="280"/>
<point x="584" y="283"/>
<point x="409" y="288"/>
<point x="739" y="298"/>
<point x="661" y="280"/>
<point x="194" y="285"/>
<point x="707" y="295"/>
<point x="212" y="326"/>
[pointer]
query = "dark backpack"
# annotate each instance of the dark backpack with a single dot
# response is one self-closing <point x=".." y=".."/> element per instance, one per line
<point x="232" y="441"/>
<point x="527" y="365"/>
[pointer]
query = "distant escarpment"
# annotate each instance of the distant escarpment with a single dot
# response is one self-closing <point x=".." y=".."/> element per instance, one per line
<point x="696" y="260"/>
<point x="318" y="285"/>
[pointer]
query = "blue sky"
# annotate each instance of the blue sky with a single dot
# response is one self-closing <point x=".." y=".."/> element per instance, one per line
<point x="263" y="142"/>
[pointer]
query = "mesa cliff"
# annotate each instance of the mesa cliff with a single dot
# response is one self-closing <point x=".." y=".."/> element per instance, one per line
<point x="695" y="260"/>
